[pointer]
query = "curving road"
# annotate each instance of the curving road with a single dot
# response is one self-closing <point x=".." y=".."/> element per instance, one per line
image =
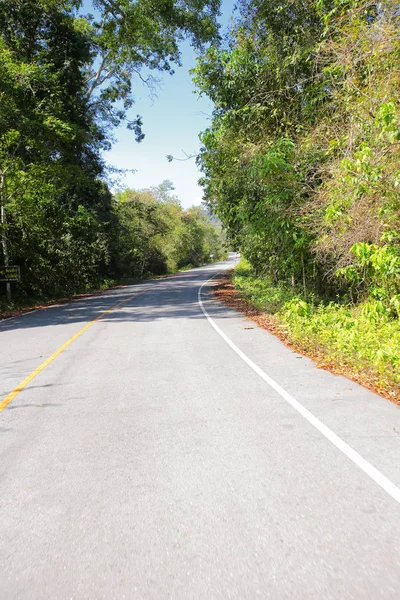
<point x="164" y="454"/>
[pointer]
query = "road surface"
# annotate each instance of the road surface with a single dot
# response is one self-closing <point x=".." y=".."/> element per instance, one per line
<point x="164" y="453"/>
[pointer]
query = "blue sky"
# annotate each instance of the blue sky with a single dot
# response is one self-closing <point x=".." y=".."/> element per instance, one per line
<point x="172" y="122"/>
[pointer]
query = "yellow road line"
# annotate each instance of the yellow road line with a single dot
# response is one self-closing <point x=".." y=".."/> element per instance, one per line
<point x="36" y="372"/>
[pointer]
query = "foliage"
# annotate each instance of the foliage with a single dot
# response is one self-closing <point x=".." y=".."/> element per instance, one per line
<point x="301" y="161"/>
<point x="152" y="233"/>
<point x="302" y="165"/>
<point x="264" y="295"/>
<point x="362" y="337"/>
<point x="362" y="340"/>
<point x="358" y="200"/>
<point x="65" y="81"/>
<point x="129" y="37"/>
<point x="56" y="208"/>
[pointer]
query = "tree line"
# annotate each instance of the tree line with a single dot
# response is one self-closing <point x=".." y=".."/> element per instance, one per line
<point x="152" y="233"/>
<point x="66" y="80"/>
<point x="302" y="159"/>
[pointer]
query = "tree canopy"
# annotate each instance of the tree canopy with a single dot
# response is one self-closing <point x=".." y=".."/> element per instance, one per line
<point x="67" y="78"/>
<point x="301" y="161"/>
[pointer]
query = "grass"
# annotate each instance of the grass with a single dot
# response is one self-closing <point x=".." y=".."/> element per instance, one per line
<point x="347" y="339"/>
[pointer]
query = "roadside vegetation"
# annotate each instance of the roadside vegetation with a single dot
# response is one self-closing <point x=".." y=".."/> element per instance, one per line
<point x="302" y="165"/>
<point x="148" y="234"/>
<point x="68" y="70"/>
<point x="348" y="338"/>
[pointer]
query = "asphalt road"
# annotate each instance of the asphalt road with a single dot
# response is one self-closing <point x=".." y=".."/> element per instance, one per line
<point x="150" y="460"/>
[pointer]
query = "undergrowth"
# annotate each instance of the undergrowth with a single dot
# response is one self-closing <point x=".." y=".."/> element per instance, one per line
<point x="357" y="340"/>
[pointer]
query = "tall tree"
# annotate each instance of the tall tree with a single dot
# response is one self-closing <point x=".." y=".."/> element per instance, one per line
<point x="65" y="82"/>
<point x="301" y="159"/>
<point x="130" y="38"/>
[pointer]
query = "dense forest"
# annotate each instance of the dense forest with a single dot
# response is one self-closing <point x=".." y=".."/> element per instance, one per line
<point x="302" y="159"/>
<point x="302" y="165"/>
<point x="66" y="82"/>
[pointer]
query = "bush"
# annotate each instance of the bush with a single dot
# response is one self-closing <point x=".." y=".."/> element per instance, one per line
<point x="363" y="339"/>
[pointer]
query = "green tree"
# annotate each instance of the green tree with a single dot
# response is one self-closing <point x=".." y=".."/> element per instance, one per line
<point x="130" y="38"/>
<point x="152" y="233"/>
<point x="65" y="82"/>
<point x="300" y="162"/>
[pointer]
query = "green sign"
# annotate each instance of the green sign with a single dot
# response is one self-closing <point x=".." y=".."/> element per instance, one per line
<point x="10" y="273"/>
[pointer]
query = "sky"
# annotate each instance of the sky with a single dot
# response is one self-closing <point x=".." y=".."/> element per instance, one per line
<point x="171" y="122"/>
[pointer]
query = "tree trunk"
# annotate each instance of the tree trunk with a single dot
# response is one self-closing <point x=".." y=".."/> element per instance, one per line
<point x="3" y="229"/>
<point x="304" y="276"/>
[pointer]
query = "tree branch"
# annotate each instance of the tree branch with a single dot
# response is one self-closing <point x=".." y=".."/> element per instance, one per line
<point x="170" y="158"/>
<point x="96" y="80"/>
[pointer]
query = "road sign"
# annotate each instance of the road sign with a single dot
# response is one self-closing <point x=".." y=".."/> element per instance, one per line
<point x="10" y="273"/>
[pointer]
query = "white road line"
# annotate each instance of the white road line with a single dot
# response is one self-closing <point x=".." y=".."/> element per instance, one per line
<point x="356" y="458"/>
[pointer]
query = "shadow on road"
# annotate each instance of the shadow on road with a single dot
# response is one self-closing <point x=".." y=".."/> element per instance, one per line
<point x="174" y="298"/>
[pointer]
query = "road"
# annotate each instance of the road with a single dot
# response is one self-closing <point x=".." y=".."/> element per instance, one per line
<point x="149" y="459"/>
